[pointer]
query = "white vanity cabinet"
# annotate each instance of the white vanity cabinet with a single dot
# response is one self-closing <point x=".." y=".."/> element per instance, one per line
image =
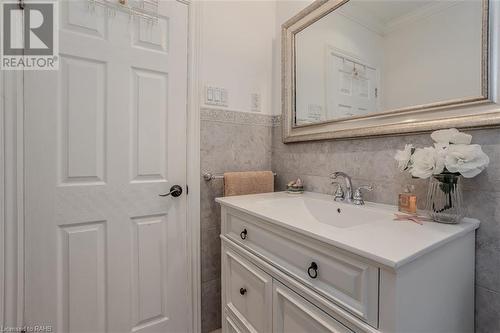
<point x="283" y="272"/>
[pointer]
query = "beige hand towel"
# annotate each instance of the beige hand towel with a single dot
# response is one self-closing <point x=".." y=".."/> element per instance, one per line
<point x="250" y="182"/>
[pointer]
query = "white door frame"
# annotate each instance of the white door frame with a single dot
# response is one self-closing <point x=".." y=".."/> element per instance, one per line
<point x="3" y="164"/>
<point x="193" y="163"/>
<point x="12" y="186"/>
<point x="13" y="194"/>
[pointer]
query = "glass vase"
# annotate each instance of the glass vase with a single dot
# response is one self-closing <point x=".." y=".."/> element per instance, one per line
<point x="444" y="198"/>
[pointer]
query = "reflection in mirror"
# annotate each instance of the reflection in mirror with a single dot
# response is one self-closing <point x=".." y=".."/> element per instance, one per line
<point x="369" y="57"/>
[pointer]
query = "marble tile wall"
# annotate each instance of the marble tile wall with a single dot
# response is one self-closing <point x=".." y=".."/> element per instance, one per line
<point x="230" y="141"/>
<point x="370" y="161"/>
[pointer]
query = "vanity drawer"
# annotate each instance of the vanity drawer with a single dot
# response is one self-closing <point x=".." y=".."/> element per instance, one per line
<point x="342" y="278"/>
<point x="247" y="292"/>
<point x="292" y="313"/>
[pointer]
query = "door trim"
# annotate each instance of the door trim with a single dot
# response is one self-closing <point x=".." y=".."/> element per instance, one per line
<point x="12" y="278"/>
<point x="193" y="164"/>
<point x="3" y="165"/>
<point x="12" y="221"/>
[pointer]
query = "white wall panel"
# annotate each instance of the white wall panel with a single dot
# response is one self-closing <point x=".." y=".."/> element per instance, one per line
<point x="84" y="18"/>
<point x="151" y="36"/>
<point x="82" y="121"/>
<point x="82" y="269"/>
<point x="149" y="280"/>
<point x="148" y="125"/>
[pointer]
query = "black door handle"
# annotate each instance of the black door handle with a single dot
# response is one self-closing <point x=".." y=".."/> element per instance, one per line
<point x="175" y="191"/>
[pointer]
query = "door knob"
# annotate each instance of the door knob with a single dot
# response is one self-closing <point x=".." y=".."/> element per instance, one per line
<point x="175" y="191"/>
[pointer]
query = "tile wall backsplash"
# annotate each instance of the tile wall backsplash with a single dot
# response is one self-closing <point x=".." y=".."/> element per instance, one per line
<point x="233" y="141"/>
<point x="230" y="141"/>
<point x="370" y="161"/>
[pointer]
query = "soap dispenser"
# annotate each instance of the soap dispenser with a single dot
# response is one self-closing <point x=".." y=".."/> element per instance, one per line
<point x="408" y="200"/>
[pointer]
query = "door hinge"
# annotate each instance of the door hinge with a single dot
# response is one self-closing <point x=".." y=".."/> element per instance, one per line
<point x="187" y="189"/>
<point x="376" y="92"/>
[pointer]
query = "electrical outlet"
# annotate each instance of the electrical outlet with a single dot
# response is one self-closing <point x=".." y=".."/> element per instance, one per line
<point x="255" y="102"/>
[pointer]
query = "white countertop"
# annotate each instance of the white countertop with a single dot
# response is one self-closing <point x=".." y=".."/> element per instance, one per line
<point x="369" y="231"/>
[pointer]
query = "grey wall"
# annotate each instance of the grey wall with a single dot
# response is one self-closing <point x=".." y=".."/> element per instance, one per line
<point x="233" y="141"/>
<point x="370" y="161"/>
<point x="230" y="141"/>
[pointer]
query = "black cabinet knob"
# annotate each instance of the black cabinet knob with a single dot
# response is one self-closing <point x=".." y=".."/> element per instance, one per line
<point x="312" y="271"/>
<point x="243" y="291"/>
<point x="243" y="234"/>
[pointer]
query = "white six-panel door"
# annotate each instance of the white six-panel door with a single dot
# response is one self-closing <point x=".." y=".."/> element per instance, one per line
<point x="105" y="135"/>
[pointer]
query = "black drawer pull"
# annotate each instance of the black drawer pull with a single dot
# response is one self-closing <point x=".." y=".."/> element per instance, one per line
<point x="312" y="271"/>
<point x="243" y="291"/>
<point x="243" y="234"/>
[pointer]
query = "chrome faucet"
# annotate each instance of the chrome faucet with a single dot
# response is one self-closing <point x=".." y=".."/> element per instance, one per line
<point x="356" y="198"/>
<point x="348" y="184"/>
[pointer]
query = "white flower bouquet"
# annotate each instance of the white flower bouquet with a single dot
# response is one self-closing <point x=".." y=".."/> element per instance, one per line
<point x="452" y="156"/>
<point x="452" y="153"/>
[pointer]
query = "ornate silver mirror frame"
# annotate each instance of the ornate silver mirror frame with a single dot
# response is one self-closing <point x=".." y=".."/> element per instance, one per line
<point x="479" y="112"/>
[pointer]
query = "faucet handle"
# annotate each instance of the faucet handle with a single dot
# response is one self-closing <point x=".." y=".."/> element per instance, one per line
<point x="357" y="198"/>
<point x="334" y="175"/>
<point x="339" y="192"/>
<point x="366" y="187"/>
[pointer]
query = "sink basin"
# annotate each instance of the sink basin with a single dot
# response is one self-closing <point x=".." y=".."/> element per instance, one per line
<point x="324" y="210"/>
<point x="339" y="214"/>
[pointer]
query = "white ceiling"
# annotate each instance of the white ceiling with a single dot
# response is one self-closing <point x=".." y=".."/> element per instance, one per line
<point x="383" y="16"/>
<point x="387" y="11"/>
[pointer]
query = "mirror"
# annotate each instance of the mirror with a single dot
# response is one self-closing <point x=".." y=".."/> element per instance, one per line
<point x="349" y="62"/>
<point x="375" y="56"/>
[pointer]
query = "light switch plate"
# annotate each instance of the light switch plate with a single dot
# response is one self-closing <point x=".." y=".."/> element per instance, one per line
<point x="216" y="96"/>
<point x="209" y="95"/>
<point x="223" y="97"/>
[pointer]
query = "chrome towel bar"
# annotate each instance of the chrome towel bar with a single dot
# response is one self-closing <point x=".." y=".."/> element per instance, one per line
<point x="209" y="176"/>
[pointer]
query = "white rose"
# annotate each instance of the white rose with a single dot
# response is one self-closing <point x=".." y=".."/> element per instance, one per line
<point x="444" y="136"/>
<point x="403" y="157"/>
<point x="441" y="147"/>
<point x="468" y="160"/>
<point x="426" y="162"/>
<point x="461" y="138"/>
<point x="451" y="135"/>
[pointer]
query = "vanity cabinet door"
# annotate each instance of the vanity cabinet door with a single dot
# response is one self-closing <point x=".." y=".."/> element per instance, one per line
<point x="230" y="326"/>
<point x="247" y="292"/>
<point x="294" y="314"/>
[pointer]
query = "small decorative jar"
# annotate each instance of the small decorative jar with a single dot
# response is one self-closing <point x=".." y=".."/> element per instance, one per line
<point x="445" y="199"/>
